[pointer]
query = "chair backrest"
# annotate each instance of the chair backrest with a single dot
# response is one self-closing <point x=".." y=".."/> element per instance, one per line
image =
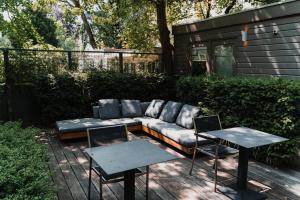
<point x="107" y="135"/>
<point x="206" y="123"/>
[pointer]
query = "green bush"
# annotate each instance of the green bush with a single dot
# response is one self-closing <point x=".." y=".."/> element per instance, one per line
<point x="62" y="96"/>
<point x="24" y="173"/>
<point x="270" y="105"/>
<point x="144" y="87"/>
<point x="67" y="96"/>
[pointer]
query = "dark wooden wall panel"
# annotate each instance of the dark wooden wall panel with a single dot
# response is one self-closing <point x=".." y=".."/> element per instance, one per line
<point x="265" y="54"/>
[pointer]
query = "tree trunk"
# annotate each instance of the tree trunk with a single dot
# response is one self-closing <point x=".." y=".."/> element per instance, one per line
<point x="230" y="6"/>
<point x="86" y="25"/>
<point x="208" y="9"/>
<point x="164" y="36"/>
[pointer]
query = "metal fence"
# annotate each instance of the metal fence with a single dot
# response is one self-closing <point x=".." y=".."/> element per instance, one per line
<point x="20" y="67"/>
<point x="25" y="63"/>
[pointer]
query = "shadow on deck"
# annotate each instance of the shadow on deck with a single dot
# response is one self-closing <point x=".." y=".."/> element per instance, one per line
<point x="168" y="181"/>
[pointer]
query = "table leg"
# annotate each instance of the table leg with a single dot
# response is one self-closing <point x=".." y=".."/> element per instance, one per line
<point x="243" y="168"/>
<point x="239" y="190"/>
<point x="129" y="187"/>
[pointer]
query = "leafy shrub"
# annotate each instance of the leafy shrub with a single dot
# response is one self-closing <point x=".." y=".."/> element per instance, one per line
<point x="270" y="105"/>
<point x="61" y="96"/>
<point x="67" y="96"/>
<point x="144" y="87"/>
<point x="24" y="172"/>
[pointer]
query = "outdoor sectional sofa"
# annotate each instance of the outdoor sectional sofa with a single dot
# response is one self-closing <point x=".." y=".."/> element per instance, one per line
<point x="171" y="122"/>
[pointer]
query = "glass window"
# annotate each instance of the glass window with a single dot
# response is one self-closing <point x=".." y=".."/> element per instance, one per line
<point x="223" y="60"/>
<point x="199" y="59"/>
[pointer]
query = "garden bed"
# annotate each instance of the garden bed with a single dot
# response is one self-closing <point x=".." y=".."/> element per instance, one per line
<point x="24" y="172"/>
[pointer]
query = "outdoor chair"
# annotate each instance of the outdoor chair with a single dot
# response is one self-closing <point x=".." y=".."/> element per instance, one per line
<point x="217" y="149"/>
<point x="105" y="136"/>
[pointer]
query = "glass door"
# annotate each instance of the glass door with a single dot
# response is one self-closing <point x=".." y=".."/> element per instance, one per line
<point x="223" y="59"/>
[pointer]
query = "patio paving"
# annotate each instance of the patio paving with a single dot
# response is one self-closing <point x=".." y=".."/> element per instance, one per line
<point x="69" y="167"/>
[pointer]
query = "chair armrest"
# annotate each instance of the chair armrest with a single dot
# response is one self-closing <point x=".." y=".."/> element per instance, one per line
<point x="207" y="136"/>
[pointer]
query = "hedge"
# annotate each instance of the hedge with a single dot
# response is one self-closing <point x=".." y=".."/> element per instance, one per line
<point x="67" y="96"/>
<point x="270" y="105"/>
<point x="24" y="173"/>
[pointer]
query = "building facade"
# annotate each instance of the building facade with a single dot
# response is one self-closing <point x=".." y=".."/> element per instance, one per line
<point x="261" y="42"/>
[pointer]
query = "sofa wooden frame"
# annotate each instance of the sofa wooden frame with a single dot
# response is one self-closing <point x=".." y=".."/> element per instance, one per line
<point x="75" y="135"/>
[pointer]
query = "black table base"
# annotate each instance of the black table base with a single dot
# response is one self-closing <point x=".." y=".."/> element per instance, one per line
<point x="233" y="192"/>
<point x="129" y="187"/>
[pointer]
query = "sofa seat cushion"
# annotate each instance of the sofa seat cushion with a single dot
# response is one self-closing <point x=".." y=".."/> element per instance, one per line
<point x="80" y="125"/>
<point x="144" y="120"/>
<point x="127" y="121"/>
<point x="170" y="111"/>
<point x="186" y="116"/>
<point x="77" y="125"/>
<point x="180" y="135"/>
<point x="155" y="108"/>
<point x="185" y="137"/>
<point x="109" y="109"/>
<point x="161" y="126"/>
<point x="131" y="108"/>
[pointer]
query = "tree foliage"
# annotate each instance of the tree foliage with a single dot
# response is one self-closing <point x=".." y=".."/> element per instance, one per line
<point x="68" y="24"/>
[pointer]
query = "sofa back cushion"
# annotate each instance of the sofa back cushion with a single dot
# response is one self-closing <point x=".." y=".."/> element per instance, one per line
<point x="109" y="109"/>
<point x="186" y="115"/>
<point x="170" y="111"/>
<point x="131" y="108"/>
<point x="96" y="112"/>
<point x="155" y="108"/>
<point x="144" y="106"/>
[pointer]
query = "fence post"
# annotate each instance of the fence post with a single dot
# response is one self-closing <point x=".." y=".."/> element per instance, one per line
<point x="121" y="62"/>
<point x="70" y="60"/>
<point x="8" y="83"/>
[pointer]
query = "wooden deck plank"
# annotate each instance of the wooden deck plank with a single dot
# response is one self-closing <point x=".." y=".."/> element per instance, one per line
<point x="81" y="158"/>
<point x="80" y="173"/>
<point x="57" y="176"/>
<point x="71" y="180"/>
<point x="170" y="180"/>
<point x="116" y="188"/>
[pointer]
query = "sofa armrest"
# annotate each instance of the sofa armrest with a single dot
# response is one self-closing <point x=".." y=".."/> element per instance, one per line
<point x="96" y="112"/>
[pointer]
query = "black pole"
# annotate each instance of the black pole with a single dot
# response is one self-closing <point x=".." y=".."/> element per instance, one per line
<point x="8" y="83"/>
<point x="121" y="63"/>
<point x="70" y="60"/>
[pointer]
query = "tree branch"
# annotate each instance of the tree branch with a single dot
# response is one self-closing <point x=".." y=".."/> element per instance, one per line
<point x="208" y="9"/>
<point x="230" y="6"/>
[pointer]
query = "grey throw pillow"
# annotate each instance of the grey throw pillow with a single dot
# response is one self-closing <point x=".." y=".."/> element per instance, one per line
<point x="109" y="109"/>
<point x="155" y="108"/>
<point x="186" y="115"/>
<point x="170" y="111"/>
<point x="131" y="108"/>
<point x="144" y="106"/>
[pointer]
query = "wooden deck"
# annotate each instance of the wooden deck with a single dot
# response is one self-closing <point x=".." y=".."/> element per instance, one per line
<point x="168" y="181"/>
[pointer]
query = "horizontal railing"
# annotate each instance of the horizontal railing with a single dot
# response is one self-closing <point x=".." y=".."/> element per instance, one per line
<point x="124" y="61"/>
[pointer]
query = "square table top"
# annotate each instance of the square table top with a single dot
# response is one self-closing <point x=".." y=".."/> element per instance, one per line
<point x="126" y="156"/>
<point x="246" y="137"/>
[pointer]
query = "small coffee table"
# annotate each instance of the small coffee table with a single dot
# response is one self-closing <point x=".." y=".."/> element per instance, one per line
<point x="126" y="157"/>
<point x="246" y="138"/>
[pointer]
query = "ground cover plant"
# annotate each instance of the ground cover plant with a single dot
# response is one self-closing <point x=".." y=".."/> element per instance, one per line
<point x="24" y="173"/>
